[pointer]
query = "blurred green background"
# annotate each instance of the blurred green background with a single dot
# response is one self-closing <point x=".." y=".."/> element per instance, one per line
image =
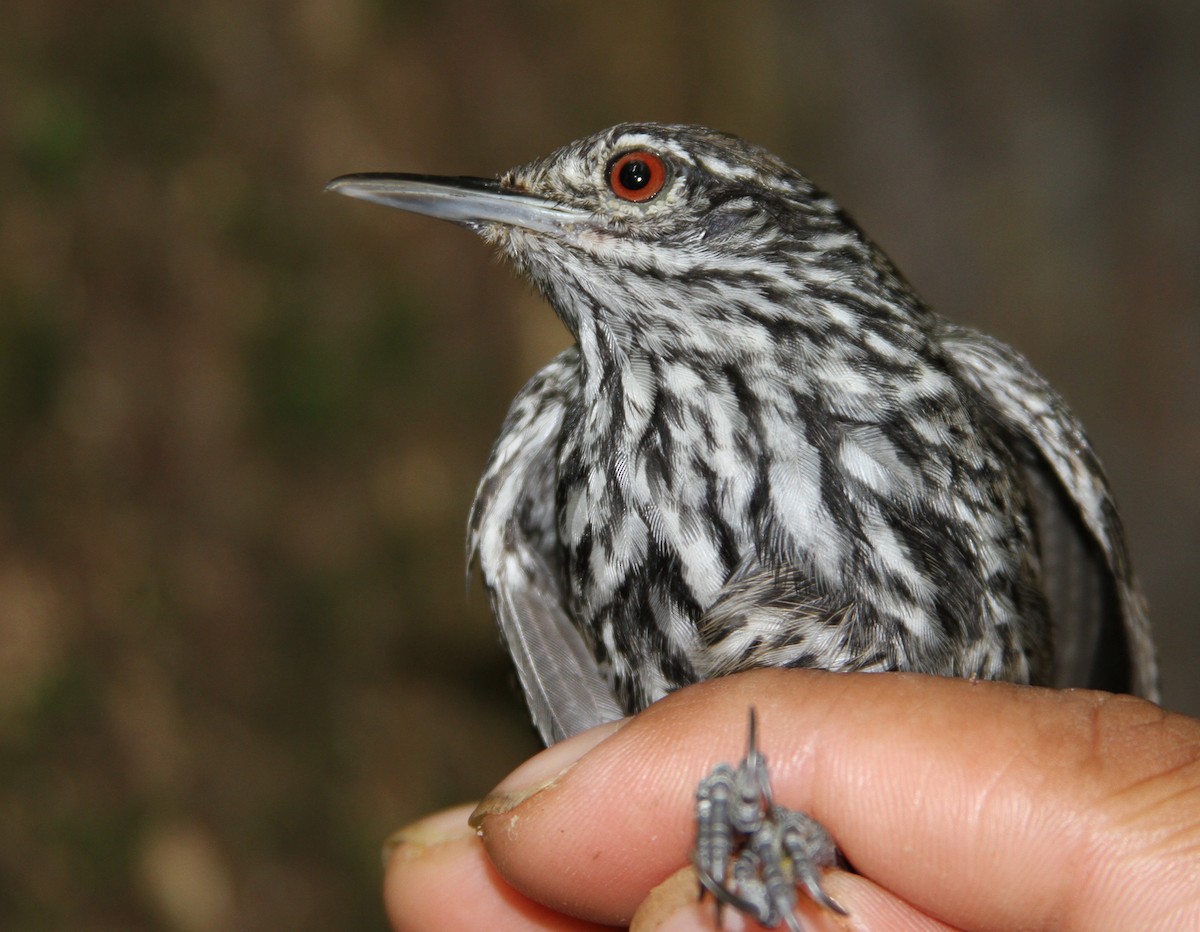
<point x="241" y="422"/>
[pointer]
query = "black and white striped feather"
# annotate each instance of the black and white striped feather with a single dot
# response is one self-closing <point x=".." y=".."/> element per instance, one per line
<point x="766" y="450"/>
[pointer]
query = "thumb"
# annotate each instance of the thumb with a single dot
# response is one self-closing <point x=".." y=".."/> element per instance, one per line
<point x="1022" y="806"/>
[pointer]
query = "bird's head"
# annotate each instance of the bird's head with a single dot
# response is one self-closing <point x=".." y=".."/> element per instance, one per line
<point x="644" y="232"/>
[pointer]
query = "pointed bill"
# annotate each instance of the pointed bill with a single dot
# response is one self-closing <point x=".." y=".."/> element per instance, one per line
<point x="461" y="200"/>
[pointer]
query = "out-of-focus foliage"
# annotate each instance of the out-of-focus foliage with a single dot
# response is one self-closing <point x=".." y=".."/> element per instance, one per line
<point x="241" y="422"/>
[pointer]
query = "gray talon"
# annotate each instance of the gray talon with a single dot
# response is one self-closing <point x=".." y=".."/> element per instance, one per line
<point x="752" y="854"/>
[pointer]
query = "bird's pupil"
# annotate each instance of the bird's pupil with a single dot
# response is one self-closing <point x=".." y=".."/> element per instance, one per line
<point x="634" y="175"/>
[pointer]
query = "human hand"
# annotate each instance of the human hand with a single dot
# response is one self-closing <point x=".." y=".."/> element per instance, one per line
<point x="960" y="804"/>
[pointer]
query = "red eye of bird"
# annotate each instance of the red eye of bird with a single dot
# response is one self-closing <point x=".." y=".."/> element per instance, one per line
<point x="636" y="176"/>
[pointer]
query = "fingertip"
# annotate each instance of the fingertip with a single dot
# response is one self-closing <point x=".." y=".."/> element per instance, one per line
<point x="438" y="876"/>
<point x="424" y="860"/>
<point x="441" y="827"/>
<point x="673" y="905"/>
<point x="871" y="907"/>
<point x="541" y="771"/>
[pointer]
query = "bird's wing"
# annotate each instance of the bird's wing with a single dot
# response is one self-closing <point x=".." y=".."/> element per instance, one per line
<point x="1101" y="632"/>
<point x="512" y="532"/>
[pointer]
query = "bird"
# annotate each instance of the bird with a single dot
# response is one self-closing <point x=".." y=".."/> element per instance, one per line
<point x="765" y="449"/>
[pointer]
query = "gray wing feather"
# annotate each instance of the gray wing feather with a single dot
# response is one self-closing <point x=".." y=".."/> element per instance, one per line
<point x="512" y="533"/>
<point x="1077" y="583"/>
<point x="1102" y="633"/>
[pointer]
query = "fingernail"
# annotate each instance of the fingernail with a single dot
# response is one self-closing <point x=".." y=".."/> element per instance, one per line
<point x="540" y="771"/>
<point x="675" y="906"/>
<point x="438" y="829"/>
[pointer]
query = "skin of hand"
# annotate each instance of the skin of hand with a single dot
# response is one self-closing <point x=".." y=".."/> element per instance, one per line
<point x="964" y="805"/>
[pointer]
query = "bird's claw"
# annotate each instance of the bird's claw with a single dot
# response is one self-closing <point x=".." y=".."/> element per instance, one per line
<point x="752" y="854"/>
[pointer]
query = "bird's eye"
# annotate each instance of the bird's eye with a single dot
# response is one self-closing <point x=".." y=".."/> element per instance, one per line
<point x="636" y="176"/>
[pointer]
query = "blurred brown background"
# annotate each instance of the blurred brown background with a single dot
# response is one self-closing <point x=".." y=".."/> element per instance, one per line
<point x="241" y="422"/>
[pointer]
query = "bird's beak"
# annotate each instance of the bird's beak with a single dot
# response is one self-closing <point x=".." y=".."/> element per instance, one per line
<point x="461" y="200"/>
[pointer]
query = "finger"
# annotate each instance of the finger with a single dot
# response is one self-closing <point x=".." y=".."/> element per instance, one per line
<point x="439" y="877"/>
<point x="673" y="906"/>
<point x="978" y="803"/>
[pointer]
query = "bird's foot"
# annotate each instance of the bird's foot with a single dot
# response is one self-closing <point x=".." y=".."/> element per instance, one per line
<point x="752" y="854"/>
